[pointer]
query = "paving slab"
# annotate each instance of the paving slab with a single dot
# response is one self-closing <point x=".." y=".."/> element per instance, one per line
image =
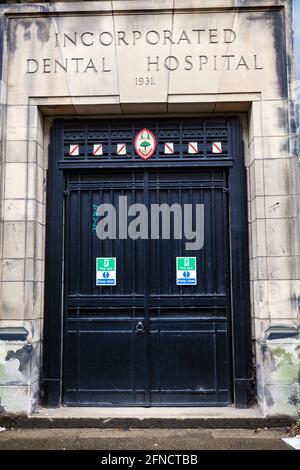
<point x="168" y="417"/>
<point x="143" y="439"/>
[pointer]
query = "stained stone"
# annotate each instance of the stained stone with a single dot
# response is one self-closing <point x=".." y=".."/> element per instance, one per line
<point x="141" y="58"/>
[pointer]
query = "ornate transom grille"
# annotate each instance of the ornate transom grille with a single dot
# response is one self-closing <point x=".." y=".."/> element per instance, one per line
<point x="103" y="140"/>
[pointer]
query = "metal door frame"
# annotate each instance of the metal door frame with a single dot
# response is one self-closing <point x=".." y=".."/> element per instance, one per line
<point x="242" y="379"/>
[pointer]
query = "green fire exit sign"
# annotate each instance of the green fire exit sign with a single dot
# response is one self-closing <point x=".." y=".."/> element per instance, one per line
<point x="186" y="271"/>
<point x="106" y="272"/>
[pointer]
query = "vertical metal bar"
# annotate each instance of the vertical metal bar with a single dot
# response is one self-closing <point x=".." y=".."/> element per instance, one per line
<point x="133" y="354"/>
<point x="131" y="255"/>
<point x="159" y="290"/>
<point x="205" y="141"/>
<point x="109" y="143"/>
<point x="215" y="255"/>
<point x="169" y="242"/>
<point x="79" y="236"/>
<point x="216" y="361"/>
<point x="201" y="258"/>
<point x="146" y="298"/>
<point x="228" y="289"/>
<point x="90" y="222"/>
<point x="157" y="244"/>
<point x="157" y="287"/>
<point x="133" y="243"/>
<point x="123" y="243"/>
<point x="78" y="354"/>
<point x="112" y="252"/>
<point x="86" y="151"/>
<point x="65" y="282"/>
<point x="157" y="134"/>
<point x="209" y="247"/>
<point x="159" y="365"/>
<point x="180" y="141"/>
<point x="79" y="274"/>
<point x="191" y="202"/>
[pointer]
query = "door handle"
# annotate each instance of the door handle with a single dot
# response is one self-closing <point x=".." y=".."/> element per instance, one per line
<point x="139" y="327"/>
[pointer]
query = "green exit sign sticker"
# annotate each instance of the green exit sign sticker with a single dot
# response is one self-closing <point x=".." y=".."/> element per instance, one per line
<point x="106" y="272"/>
<point x="186" y="271"/>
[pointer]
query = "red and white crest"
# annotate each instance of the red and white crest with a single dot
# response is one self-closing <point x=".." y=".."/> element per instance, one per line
<point x="145" y="144"/>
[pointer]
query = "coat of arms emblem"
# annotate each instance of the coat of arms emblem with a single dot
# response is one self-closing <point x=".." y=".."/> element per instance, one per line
<point x="145" y="144"/>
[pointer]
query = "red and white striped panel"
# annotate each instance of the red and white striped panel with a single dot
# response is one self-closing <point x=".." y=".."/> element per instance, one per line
<point x="169" y="148"/>
<point x="193" y="147"/>
<point x="217" y="147"/>
<point x="121" y="149"/>
<point x="74" y="150"/>
<point x="97" y="149"/>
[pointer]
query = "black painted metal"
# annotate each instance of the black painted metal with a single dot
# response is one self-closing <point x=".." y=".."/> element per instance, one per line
<point x="240" y="276"/>
<point x="182" y="355"/>
<point x="13" y="333"/>
<point x="52" y="377"/>
<point x="178" y="131"/>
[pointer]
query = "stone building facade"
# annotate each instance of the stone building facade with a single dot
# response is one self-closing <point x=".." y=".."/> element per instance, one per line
<point x="160" y="59"/>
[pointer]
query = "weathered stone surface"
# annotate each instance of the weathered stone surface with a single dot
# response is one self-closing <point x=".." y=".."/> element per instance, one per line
<point x="12" y="300"/>
<point x="13" y="270"/>
<point x="281" y="305"/>
<point x="280" y="359"/>
<point x="260" y="300"/>
<point x="14" y="209"/>
<point x="280" y="207"/>
<point x="279" y="237"/>
<point x="145" y="57"/>
<point x="15" y="180"/>
<point x="260" y="268"/>
<point x="282" y="267"/>
<point x="125" y="57"/>
<point x="14" y="240"/>
<point x="15" y="398"/>
<point x="277" y="177"/>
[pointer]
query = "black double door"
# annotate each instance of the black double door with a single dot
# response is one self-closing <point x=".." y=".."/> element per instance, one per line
<point x="146" y="341"/>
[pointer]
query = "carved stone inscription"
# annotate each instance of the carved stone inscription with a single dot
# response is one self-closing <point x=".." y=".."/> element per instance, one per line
<point x="146" y="58"/>
<point x="200" y="60"/>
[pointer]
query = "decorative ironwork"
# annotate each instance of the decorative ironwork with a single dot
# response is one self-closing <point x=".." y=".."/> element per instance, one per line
<point x="110" y="134"/>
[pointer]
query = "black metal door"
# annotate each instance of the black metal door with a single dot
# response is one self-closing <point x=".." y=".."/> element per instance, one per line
<point x="146" y="341"/>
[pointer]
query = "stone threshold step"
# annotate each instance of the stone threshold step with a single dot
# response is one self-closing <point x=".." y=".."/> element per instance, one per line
<point x="175" y="418"/>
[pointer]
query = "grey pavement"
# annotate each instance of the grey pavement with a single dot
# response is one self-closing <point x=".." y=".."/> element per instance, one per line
<point x="143" y="439"/>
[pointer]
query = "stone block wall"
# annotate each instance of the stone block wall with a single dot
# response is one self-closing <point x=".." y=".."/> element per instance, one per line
<point x="262" y="93"/>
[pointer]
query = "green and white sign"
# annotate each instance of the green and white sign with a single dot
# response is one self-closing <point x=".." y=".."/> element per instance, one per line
<point x="106" y="272"/>
<point x="186" y="271"/>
